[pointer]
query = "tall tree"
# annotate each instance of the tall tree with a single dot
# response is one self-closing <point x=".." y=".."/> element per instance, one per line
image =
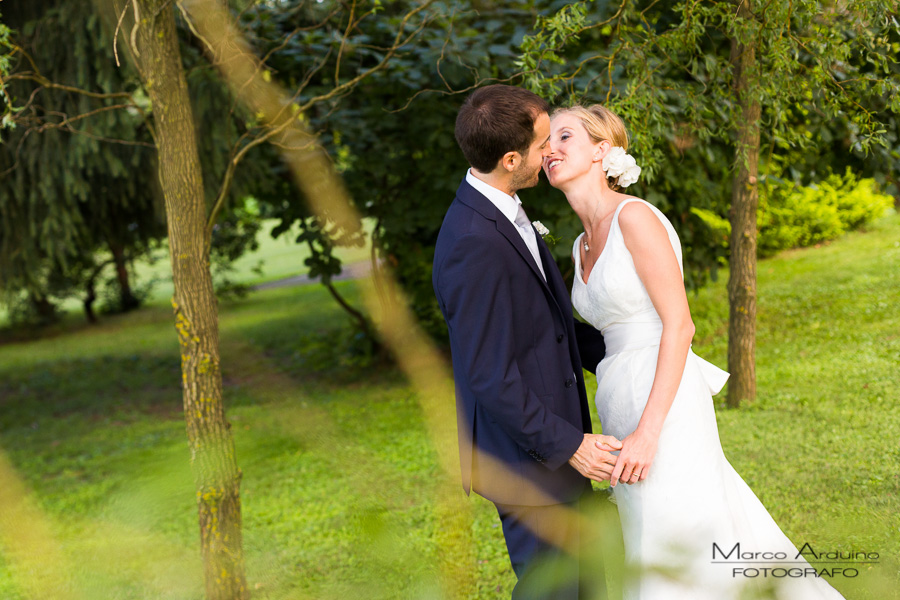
<point x="216" y="475"/>
<point x="274" y="119"/>
<point x="744" y="205"/>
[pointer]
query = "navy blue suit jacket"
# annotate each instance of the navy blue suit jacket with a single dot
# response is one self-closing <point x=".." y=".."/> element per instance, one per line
<point x="521" y="404"/>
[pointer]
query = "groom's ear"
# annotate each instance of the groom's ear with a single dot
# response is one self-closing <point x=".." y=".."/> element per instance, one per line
<point x="510" y="161"/>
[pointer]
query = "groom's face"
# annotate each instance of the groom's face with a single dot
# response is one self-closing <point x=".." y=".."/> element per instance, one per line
<point x="527" y="173"/>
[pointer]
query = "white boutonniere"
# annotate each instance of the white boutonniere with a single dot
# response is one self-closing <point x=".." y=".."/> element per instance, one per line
<point x="545" y="233"/>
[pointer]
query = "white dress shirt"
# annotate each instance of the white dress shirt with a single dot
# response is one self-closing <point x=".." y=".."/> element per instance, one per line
<point x="510" y="207"/>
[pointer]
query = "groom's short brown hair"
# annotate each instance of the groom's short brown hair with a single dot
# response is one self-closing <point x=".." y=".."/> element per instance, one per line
<point x="494" y="120"/>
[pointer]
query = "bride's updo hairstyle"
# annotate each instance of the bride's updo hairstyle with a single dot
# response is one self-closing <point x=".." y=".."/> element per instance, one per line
<point x="601" y="124"/>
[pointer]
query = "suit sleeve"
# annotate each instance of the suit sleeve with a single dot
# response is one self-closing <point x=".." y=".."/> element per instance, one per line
<point x="476" y="296"/>
<point x="591" y="347"/>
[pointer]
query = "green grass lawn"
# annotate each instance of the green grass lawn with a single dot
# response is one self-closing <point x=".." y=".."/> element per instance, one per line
<point x="340" y="476"/>
<point x="275" y="259"/>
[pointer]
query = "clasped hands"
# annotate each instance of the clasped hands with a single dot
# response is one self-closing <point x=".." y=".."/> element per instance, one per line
<point x="594" y="458"/>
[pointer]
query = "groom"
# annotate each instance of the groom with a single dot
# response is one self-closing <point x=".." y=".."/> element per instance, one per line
<point x="523" y="420"/>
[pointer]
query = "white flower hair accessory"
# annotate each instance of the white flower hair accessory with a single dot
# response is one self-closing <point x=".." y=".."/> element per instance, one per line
<point x="618" y="163"/>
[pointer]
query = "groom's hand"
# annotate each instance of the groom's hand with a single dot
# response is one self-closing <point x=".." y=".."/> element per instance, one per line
<point x="593" y="459"/>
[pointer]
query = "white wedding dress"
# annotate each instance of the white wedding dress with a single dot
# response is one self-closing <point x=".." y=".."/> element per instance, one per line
<point x="692" y="497"/>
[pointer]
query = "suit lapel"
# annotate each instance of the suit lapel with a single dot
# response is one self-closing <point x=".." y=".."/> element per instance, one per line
<point x="476" y="201"/>
<point x="561" y="296"/>
<point x="510" y="232"/>
<point x="555" y="281"/>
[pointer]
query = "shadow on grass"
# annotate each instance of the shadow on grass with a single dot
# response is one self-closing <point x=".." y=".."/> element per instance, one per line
<point x="129" y="364"/>
<point x="306" y="336"/>
<point x="315" y="353"/>
<point x="93" y="388"/>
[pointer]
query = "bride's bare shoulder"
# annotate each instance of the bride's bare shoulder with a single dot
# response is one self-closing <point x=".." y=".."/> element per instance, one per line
<point x="638" y="221"/>
<point x="635" y="211"/>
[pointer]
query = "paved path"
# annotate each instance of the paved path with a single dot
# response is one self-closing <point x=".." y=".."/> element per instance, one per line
<point x="351" y="271"/>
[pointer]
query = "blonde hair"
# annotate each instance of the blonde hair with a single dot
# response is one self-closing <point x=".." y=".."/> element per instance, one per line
<point x="601" y="124"/>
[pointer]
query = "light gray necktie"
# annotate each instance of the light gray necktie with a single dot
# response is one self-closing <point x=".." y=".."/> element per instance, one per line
<point x="527" y="232"/>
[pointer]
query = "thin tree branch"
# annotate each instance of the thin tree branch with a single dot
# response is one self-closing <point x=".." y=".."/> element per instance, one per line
<point x="116" y="34"/>
<point x="66" y="122"/>
<point x="100" y="138"/>
<point x="36" y="77"/>
<point x="478" y="83"/>
<point x="262" y="62"/>
<point x="350" y="24"/>
<point x="134" y="30"/>
<point x="390" y="54"/>
<point x="237" y="157"/>
<point x="190" y="24"/>
<point x="228" y="178"/>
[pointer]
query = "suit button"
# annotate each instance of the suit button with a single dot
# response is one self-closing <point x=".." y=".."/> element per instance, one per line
<point x="569" y="383"/>
<point x="559" y="339"/>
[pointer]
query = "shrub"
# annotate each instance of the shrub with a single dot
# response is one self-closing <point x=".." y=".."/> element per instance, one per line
<point x="793" y="216"/>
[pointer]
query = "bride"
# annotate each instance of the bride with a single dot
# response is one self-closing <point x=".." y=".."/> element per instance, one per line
<point x="684" y="500"/>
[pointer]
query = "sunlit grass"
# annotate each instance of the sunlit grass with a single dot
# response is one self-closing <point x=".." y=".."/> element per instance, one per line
<point x="339" y="473"/>
<point x="274" y="259"/>
<point x="819" y="446"/>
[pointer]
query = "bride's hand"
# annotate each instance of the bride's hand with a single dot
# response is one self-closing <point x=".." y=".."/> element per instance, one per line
<point x="633" y="464"/>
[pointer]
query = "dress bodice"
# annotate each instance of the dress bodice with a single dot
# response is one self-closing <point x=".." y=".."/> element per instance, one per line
<point x="614" y="292"/>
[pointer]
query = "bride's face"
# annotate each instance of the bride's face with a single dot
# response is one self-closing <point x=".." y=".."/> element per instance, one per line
<point x="572" y="153"/>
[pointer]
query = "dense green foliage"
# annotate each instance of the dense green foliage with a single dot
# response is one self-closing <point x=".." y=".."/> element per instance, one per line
<point x="338" y="468"/>
<point x="793" y="216"/>
<point x="827" y="77"/>
<point x="664" y="66"/>
<point x="80" y="182"/>
<point x="314" y="51"/>
<point x="403" y="165"/>
<point x="66" y="191"/>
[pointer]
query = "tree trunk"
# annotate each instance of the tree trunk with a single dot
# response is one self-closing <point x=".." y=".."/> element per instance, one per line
<point x="127" y="300"/>
<point x="91" y="293"/>
<point x="88" y="303"/>
<point x="44" y="309"/>
<point x="744" y="202"/>
<point x="216" y="475"/>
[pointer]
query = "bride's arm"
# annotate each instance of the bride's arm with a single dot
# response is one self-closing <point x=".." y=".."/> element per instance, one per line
<point x="656" y="264"/>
